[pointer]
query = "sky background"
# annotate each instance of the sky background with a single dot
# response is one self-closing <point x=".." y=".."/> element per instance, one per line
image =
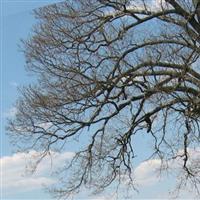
<point x="16" y="183"/>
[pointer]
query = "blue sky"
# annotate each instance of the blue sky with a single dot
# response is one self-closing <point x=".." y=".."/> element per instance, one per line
<point x="16" y="23"/>
<point x="17" y="20"/>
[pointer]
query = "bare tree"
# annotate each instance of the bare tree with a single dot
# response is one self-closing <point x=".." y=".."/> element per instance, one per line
<point x="107" y="71"/>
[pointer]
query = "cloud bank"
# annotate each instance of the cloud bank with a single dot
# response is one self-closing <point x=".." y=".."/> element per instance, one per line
<point x="15" y="171"/>
<point x="16" y="179"/>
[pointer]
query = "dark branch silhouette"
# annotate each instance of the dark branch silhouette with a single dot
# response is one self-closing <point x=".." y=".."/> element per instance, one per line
<point x="107" y="71"/>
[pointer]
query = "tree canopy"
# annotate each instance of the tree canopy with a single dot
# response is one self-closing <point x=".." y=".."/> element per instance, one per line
<point x="109" y="70"/>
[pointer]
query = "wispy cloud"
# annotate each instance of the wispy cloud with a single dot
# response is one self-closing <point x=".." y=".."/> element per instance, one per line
<point x="11" y="112"/>
<point x="13" y="84"/>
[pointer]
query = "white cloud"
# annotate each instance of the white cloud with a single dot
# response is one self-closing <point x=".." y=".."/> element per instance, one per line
<point x="99" y="198"/>
<point x="150" y="5"/>
<point x="14" y="84"/>
<point x="13" y="171"/>
<point x="112" y="196"/>
<point x="16" y="180"/>
<point x="11" y="112"/>
<point x="46" y="125"/>
<point x="146" y="173"/>
<point x="159" y="4"/>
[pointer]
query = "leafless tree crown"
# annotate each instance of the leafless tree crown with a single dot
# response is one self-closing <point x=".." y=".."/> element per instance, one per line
<point x="109" y="70"/>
